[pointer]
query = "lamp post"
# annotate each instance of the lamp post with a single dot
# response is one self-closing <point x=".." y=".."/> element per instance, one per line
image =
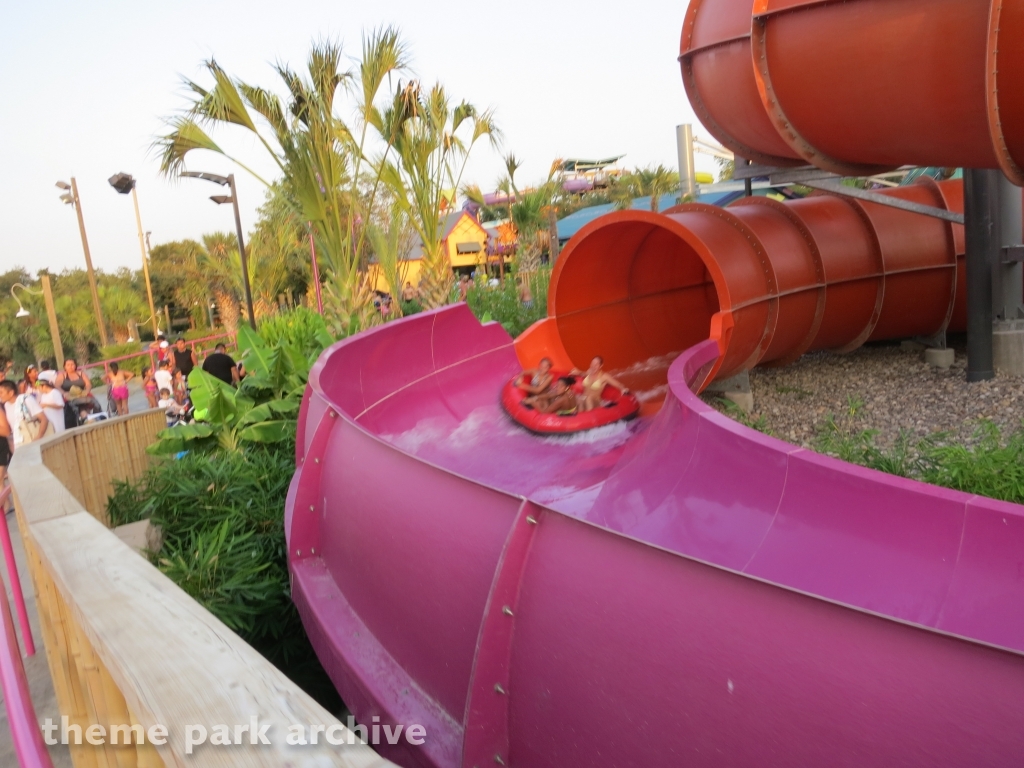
<point x="229" y="181"/>
<point x="51" y="314"/>
<point x="124" y="183"/>
<point x="70" y="197"/>
<point x="133" y="328"/>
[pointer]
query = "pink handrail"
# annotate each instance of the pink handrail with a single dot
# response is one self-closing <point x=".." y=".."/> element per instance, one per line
<point x="231" y="338"/>
<point x="21" y="715"/>
<point x="15" y="579"/>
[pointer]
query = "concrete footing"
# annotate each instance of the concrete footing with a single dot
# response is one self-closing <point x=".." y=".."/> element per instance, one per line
<point x="1008" y="347"/>
<point x="940" y="358"/>
<point x="736" y="390"/>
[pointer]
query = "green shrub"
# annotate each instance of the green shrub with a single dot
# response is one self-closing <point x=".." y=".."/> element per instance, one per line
<point x="992" y="467"/>
<point x="135" y="365"/>
<point x="301" y="328"/>
<point x="222" y="516"/>
<point x="503" y="305"/>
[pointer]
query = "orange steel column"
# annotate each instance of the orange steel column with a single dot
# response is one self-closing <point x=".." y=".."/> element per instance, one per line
<point x="770" y="281"/>
<point x="861" y="86"/>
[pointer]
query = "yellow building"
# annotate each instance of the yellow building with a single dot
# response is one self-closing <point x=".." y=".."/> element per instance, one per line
<point x="464" y="242"/>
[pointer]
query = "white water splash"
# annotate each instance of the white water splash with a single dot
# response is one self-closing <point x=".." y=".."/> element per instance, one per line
<point x="657" y="363"/>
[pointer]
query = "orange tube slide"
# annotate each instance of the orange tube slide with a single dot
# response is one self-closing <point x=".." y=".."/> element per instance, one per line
<point x="769" y="280"/>
<point x="860" y="86"/>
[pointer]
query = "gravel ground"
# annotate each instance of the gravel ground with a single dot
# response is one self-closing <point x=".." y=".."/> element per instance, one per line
<point x="899" y="392"/>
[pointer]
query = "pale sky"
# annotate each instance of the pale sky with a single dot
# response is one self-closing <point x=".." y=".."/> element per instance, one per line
<point x="85" y="87"/>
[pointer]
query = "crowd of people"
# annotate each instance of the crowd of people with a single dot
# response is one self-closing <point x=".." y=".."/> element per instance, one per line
<point x="44" y="401"/>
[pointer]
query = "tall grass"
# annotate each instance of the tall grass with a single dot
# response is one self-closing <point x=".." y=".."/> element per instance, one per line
<point x="993" y="466"/>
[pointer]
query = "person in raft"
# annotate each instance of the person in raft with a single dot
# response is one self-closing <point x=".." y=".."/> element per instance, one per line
<point x="538" y="381"/>
<point x="595" y="379"/>
<point x="559" y="399"/>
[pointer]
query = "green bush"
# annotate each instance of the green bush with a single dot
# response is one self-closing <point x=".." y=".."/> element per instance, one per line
<point x="992" y="467"/>
<point x="301" y="328"/>
<point x="222" y="516"/>
<point x="197" y="333"/>
<point x="135" y="365"/>
<point x="502" y="303"/>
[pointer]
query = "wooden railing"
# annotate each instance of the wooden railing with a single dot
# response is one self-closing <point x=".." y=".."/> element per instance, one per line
<point x="125" y="645"/>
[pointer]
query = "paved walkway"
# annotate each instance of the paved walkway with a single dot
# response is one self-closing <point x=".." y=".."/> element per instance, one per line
<point x="36" y="668"/>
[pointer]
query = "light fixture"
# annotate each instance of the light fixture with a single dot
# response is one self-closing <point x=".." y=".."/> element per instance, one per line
<point x="222" y="180"/>
<point x="122" y="182"/>
<point x="63" y="185"/>
<point x="229" y="181"/>
<point x="22" y="312"/>
<point x="68" y="198"/>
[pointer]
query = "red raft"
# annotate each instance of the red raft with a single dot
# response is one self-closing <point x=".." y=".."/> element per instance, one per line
<point x="620" y="408"/>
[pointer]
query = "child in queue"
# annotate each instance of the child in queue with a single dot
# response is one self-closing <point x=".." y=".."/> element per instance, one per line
<point x="150" y="387"/>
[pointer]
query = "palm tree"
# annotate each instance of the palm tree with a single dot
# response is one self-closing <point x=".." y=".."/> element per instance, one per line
<point x="121" y="306"/>
<point x="656" y="182"/>
<point x="432" y="144"/>
<point x="217" y="262"/>
<point x="77" y="322"/>
<point x="317" y="153"/>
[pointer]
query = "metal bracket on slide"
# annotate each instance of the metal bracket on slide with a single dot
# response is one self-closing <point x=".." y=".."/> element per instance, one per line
<point x="834" y="187"/>
<point x="1012" y="254"/>
<point x="815" y="178"/>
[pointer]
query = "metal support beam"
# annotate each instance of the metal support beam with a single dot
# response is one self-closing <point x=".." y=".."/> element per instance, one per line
<point x="1008" y="272"/>
<point x="983" y="251"/>
<point x="687" y="167"/>
<point x="892" y="202"/>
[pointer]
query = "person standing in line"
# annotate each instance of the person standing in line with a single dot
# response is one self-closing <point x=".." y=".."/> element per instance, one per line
<point x="27" y="421"/>
<point x="163" y="377"/>
<point x="52" y="402"/>
<point x="184" y="358"/>
<point x="180" y="388"/>
<point x="72" y="381"/>
<point x="160" y="347"/>
<point x="46" y="372"/>
<point x="5" y="447"/>
<point x="149" y="386"/>
<point x="28" y="384"/>
<point x="118" y="380"/>
<point x="222" y="366"/>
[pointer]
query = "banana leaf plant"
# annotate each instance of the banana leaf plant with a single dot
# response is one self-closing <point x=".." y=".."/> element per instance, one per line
<point x="263" y="409"/>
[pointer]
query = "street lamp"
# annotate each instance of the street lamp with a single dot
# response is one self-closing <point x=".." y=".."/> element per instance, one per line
<point x="229" y="181"/>
<point x="70" y="197"/>
<point x="51" y="314"/>
<point x="134" y="326"/>
<point x="124" y="183"/>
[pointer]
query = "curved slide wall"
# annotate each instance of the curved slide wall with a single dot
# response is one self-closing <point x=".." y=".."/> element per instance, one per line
<point x="680" y="592"/>
<point x="860" y="86"/>
<point x="769" y="281"/>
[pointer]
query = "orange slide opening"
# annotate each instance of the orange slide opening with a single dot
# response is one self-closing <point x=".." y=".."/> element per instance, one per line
<point x="769" y="281"/>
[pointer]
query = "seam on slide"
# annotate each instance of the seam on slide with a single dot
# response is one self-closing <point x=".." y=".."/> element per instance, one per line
<point x="775" y="517"/>
<point x="956" y="565"/>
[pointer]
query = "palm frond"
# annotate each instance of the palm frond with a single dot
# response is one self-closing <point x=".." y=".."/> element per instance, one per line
<point x="173" y="147"/>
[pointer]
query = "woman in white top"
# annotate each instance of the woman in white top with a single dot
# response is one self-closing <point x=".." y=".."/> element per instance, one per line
<point x="52" y="403"/>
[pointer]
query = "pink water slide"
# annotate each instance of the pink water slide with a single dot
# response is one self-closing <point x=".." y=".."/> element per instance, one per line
<point x="678" y="590"/>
